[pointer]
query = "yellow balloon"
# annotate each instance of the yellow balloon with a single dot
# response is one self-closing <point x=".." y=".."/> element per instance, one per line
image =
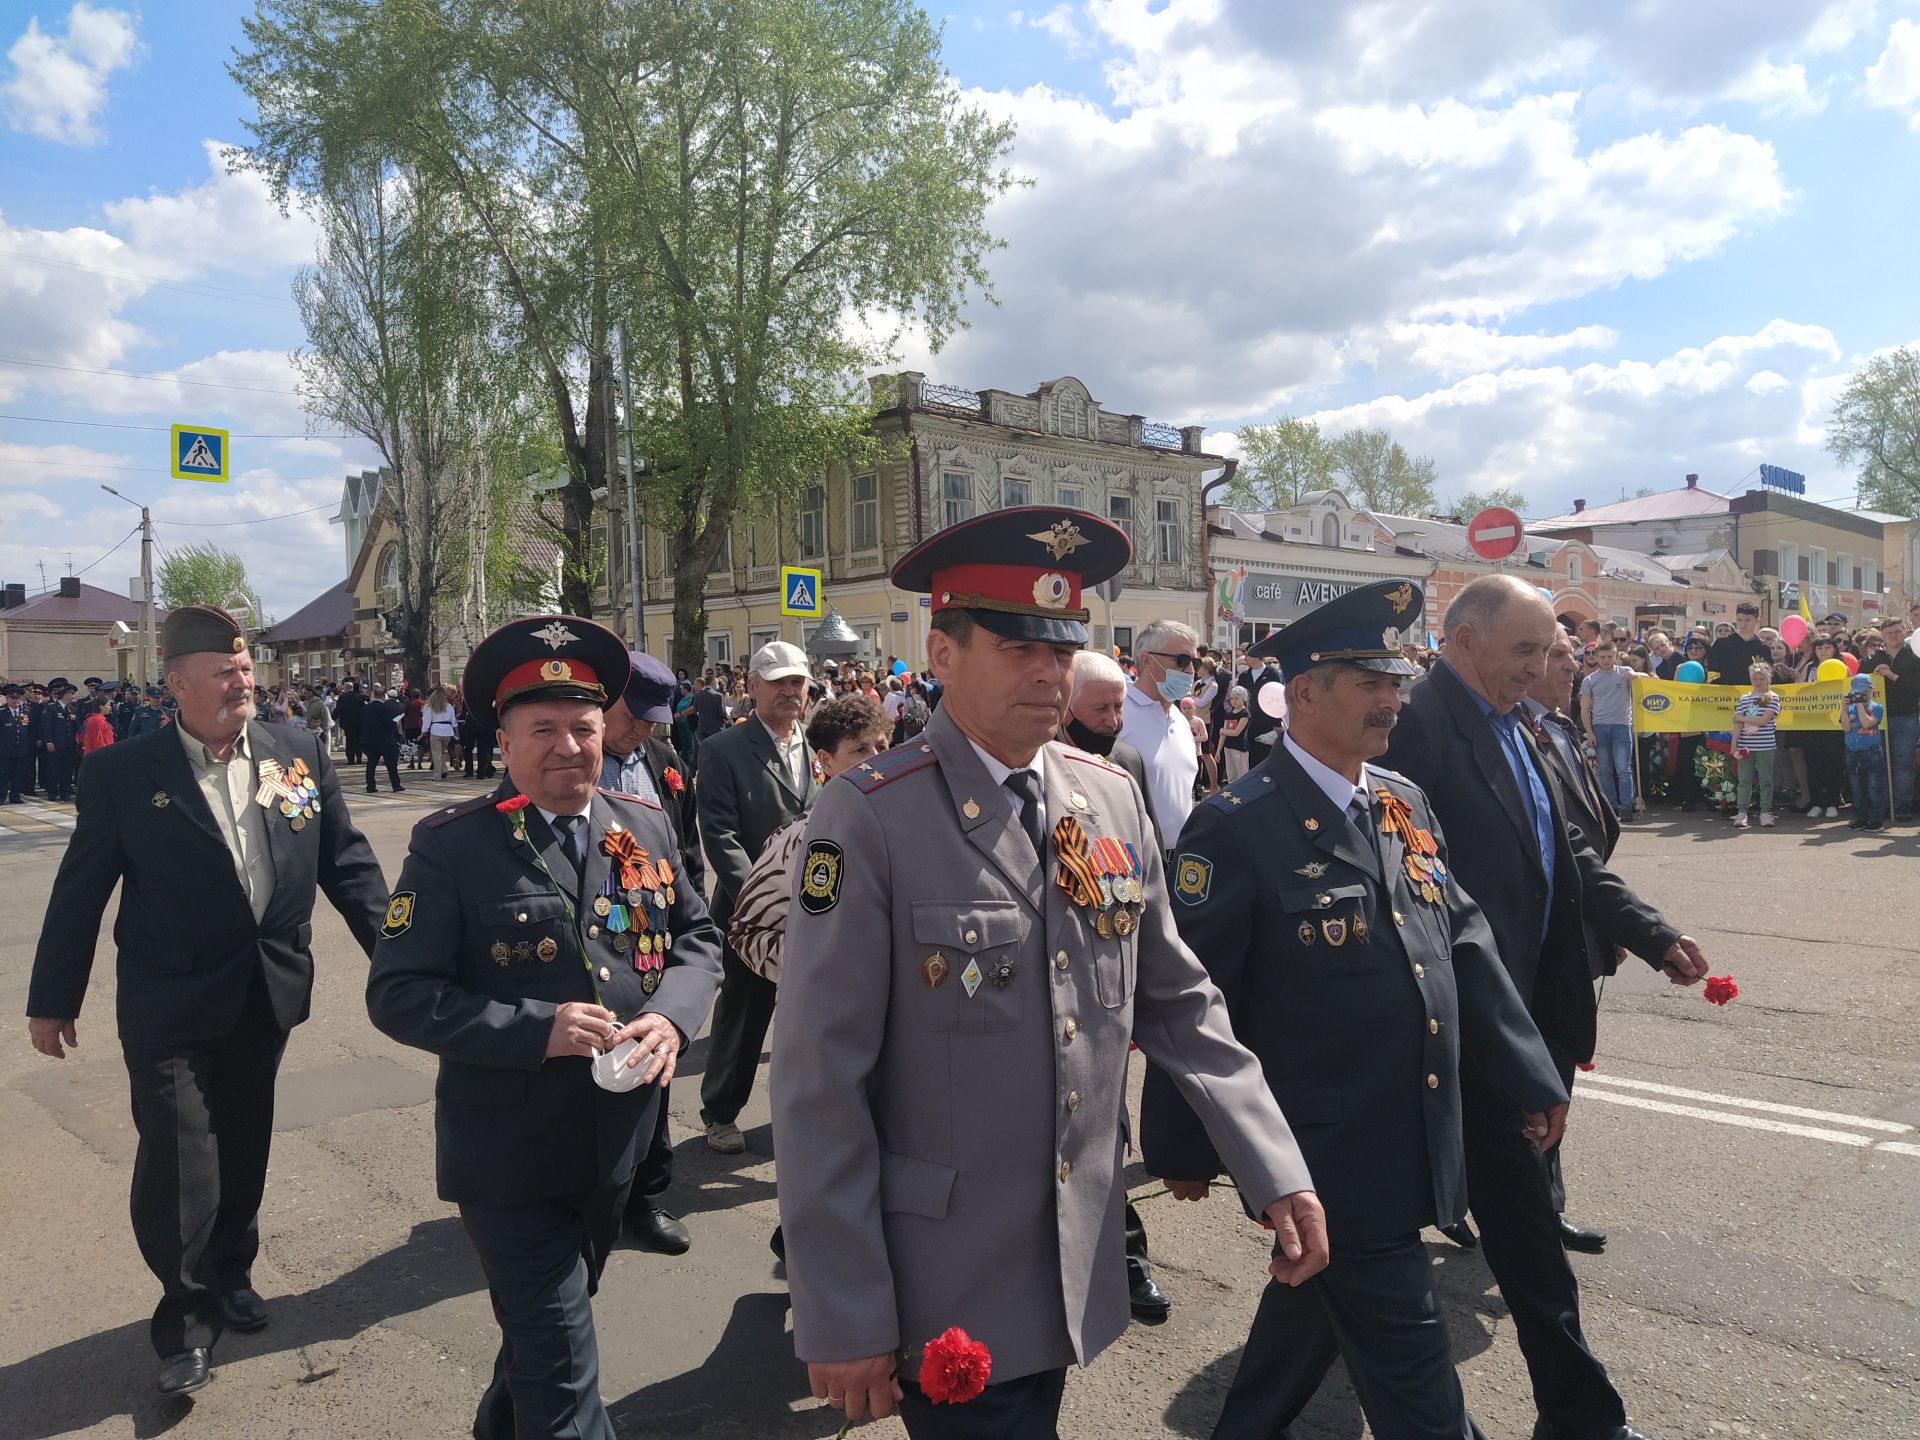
<point x="1831" y="670"/>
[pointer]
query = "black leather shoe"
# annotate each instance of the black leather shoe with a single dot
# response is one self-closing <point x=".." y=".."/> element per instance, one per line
<point x="186" y="1372"/>
<point x="1543" y="1431"/>
<point x="243" y="1310"/>
<point x="777" y="1242"/>
<point x="1147" y="1300"/>
<point x="1578" y="1237"/>
<point x="657" y="1230"/>
<point x="1461" y="1234"/>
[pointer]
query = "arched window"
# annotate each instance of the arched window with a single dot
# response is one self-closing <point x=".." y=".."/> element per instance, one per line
<point x="389" y="570"/>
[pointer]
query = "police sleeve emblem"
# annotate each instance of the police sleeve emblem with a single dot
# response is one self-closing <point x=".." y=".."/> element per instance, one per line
<point x="1192" y="878"/>
<point x="399" y="915"/>
<point x="820" y="877"/>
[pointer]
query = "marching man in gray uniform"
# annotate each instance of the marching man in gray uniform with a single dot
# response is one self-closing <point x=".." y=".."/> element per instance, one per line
<point x="980" y="926"/>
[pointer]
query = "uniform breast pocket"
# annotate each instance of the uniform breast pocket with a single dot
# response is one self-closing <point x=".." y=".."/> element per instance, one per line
<point x="1114" y="968"/>
<point x="522" y="929"/>
<point x="1332" y="922"/>
<point x="972" y="966"/>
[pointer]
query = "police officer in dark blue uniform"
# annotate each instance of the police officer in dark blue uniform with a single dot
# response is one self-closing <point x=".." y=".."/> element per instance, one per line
<point x="534" y="932"/>
<point x="16" y="746"/>
<point x="1317" y="891"/>
<point x="56" y="735"/>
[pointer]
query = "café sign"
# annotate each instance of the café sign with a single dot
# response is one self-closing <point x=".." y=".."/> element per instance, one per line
<point x="1281" y="596"/>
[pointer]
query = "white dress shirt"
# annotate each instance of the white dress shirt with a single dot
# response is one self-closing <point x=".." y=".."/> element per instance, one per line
<point x="999" y="774"/>
<point x="1337" y="788"/>
<point x="228" y="786"/>
<point x="792" y="753"/>
<point x="1164" y="739"/>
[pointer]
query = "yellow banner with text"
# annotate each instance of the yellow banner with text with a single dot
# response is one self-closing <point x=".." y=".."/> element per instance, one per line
<point x="1669" y="707"/>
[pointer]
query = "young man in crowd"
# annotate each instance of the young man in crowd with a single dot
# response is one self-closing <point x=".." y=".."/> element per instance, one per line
<point x="1606" y="714"/>
<point x="1899" y="667"/>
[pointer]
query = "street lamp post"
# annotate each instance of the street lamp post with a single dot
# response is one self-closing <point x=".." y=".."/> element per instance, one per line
<point x="146" y="588"/>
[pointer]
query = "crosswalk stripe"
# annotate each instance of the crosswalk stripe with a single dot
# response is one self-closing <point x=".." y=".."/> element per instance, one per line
<point x="1799" y="1112"/>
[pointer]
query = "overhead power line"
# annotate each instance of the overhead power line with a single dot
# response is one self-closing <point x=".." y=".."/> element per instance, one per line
<point x="228" y="384"/>
<point x="258" y="520"/>
<point x="162" y="429"/>
<point x="251" y="297"/>
<point x="153" y="470"/>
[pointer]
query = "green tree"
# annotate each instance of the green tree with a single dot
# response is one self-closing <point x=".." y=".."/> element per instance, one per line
<point x="1472" y="502"/>
<point x="1876" y="425"/>
<point x="1280" y="463"/>
<point x="1377" y="472"/>
<point x="202" y="575"/>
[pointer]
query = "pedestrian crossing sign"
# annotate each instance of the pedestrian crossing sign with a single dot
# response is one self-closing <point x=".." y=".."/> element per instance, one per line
<point x="199" y="453"/>
<point x="800" y="592"/>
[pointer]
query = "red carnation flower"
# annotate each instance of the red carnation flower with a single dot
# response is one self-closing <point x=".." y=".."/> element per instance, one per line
<point x="1585" y="1065"/>
<point x="1721" y="989"/>
<point x="512" y="803"/>
<point x="954" y="1368"/>
<point x="674" y="782"/>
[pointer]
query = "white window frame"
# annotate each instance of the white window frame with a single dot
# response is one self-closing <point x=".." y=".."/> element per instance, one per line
<point x="811" y="522"/>
<point x="1070" y="497"/>
<point x="1007" y="497"/>
<point x="1126" y="501"/>
<point x="955" y="508"/>
<point x="1167" y="523"/>
<point x="720" y="646"/>
<point x="867" y="510"/>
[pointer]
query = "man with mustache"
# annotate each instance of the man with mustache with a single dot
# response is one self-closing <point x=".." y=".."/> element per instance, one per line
<point x="1318" y="890"/>
<point x="218" y="831"/>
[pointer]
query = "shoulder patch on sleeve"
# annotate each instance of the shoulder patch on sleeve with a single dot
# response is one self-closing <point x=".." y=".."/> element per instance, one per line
<point x="1087" y="757"/>
<point x="454" y="812"/>
<point x="1242" y="792"/>
<point x="889" y="765"/>
<point x="399" y="915"/>
<point x="1192" y="878"/>
<point x="634" y="799"/>
<point x="820" y="875"/>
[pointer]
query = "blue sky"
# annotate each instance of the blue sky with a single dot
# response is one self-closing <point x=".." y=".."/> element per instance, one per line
<point x="1573" y="247"/>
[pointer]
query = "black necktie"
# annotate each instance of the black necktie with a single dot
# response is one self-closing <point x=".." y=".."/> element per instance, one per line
<point x="566" y="829"/>
<point x="1360" y="814"/>
<point x="1026" y="785"/>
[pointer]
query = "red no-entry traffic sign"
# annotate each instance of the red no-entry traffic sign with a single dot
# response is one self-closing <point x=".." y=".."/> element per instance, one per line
<point x="1495" y="533"/>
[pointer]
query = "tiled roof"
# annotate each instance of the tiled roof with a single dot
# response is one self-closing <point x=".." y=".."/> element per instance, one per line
<point x="327" y="614"/>
<point x="1667" y="505"/>
<point x="92" y="606"/>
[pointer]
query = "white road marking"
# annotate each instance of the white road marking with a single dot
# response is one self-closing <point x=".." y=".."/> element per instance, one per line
<point x="1859" y="1122"/>
<point x="1756" y="1122"/>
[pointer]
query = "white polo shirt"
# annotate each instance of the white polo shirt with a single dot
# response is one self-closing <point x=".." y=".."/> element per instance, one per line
<point x="1164" y="739"/>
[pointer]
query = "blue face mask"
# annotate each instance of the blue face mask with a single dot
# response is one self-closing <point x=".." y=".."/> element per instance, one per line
<point x="1176" y="685"/>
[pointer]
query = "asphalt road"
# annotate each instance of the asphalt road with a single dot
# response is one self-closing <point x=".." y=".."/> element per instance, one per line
<point x="1756" y="1168"/>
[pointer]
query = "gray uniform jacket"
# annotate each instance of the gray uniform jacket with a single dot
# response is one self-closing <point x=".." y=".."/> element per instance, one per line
<point x="744" y="795"/>
<point x="948" y="1159"/>
<point x="480" y="948"/>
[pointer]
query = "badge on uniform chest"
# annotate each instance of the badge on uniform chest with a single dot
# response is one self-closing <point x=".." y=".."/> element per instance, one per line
<point x="1425" y="871"/>
<point x="291" y="791"/>
<point x="1102" y="876"/>
<point x="634" y="902"/>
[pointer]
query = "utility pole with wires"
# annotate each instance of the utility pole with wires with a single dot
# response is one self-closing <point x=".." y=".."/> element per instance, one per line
<point x="148" y="643"/>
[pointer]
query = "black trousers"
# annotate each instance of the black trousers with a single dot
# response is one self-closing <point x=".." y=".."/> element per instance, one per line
<point x="741" y="1015"/>
<point x="391" y="754"/>
<point x="1027" y="1408"/>
<point x="1138" y="1266"/>
<point x="543" y="1263"/>
<point x="204" y="1113"/>
<point x="1374" y="1306"/>
<point x="480" y="752"/>
<point x="16" y="775"/>
<point x="653" y="1176"/>
<point x="63" y="764"/>
<point x="1512" y="1202"/>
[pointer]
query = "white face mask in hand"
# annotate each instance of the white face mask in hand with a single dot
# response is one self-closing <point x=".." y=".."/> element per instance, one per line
<point x="611" y="1071"/>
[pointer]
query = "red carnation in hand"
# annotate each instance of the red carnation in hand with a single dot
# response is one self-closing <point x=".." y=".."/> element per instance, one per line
<point x="674" y="782"/>
<point x="512" y="803"/>
<point x="954" y="1368"/>
<point x="1584" y="1065"/>
<point x="1721" y="989"/>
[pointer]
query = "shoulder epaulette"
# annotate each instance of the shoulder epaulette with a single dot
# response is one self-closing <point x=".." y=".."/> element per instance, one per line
<point x="889" y="765"/>
<point x="1241" y="792"/>
<point x="1087" y="757"/>
<point x="454" y="812"/>
<point x="636" y="799"/>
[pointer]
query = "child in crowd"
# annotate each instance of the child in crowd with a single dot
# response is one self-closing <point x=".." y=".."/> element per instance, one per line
<point x="1866" y="768"/>
<point x="1754" y="714"/>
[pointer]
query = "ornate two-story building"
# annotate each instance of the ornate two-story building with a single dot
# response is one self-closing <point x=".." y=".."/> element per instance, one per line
<point x="949" y="455"/>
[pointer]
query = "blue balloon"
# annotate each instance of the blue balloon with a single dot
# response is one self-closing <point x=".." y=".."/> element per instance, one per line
<point x="899" y="667"/>
<point x="1691" y="673"/>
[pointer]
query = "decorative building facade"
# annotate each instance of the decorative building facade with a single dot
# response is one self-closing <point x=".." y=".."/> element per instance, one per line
<point x="949" y="455"/>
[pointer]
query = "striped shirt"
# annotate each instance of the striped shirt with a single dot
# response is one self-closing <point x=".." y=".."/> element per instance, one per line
<point x="1762" y="708"/>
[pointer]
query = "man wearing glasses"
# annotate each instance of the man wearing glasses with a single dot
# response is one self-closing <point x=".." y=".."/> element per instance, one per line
<point x="1155" y="725"/>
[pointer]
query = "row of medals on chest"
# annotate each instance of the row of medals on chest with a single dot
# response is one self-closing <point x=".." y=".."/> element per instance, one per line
<point x="644" y="942"/>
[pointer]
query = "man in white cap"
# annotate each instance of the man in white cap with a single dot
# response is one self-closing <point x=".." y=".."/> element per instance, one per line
<point x="753" y="778"/>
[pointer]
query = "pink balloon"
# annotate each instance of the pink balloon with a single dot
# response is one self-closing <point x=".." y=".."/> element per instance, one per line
<point x="1851" y="662"/>
<point x="1793" y="630"/>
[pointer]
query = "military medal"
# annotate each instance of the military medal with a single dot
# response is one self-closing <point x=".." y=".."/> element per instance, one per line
<point x="602" y="906"/>
<point x="1335" y="931"/>
<point x="1306" y="932"/>
<point x="547" y="949"/>
<point x="1003" y="973"/>
<point x="934" y="969"/>
<point x="622" y="942"/>
<point x="1123" y="921"/>
<point x="970" y="977"/>
<point x="1359" y="927"/>
<point x="500" y="952"/>
<point x="523" y="950"/>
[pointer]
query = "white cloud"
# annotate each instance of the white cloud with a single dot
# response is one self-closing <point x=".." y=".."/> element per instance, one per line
<point x="1458" y="348"/>
<point x="1893" y="81"/>
<point x="227" y="222"/>
<point x="59" y="85"/>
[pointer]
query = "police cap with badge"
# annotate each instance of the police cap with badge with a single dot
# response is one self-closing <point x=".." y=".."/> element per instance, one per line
<point x="1018" y="573"/>
<point x="1365" y="627"/>
<point x="544" y="657"/>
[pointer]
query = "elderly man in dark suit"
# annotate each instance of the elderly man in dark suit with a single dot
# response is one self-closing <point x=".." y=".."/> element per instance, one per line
<point x="753" y="779"/>
<point x="218" y="830"/>
<point x="1464" y="739"/>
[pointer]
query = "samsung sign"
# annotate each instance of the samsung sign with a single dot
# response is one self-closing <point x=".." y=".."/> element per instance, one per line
<point x="1288" y="597"/>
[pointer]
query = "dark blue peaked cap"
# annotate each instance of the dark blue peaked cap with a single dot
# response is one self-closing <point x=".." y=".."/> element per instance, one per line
<point x="1362" y="627"/>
